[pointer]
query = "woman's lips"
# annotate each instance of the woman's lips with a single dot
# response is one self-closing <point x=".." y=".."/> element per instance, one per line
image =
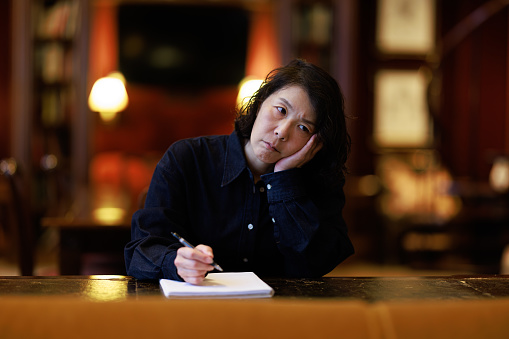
<point x="269" y="146"/>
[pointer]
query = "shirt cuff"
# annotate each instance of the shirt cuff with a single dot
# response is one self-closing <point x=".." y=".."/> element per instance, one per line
<point x="284" y="185"/>
<point x="168" y="267"/>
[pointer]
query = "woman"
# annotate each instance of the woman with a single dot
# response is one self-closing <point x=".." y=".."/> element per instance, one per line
<point x="267" y="199"/>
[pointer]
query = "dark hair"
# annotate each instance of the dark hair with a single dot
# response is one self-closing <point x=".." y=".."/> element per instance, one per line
<point x="328" y="103"/>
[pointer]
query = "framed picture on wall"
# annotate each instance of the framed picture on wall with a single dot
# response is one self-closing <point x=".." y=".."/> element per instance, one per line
<point x="405" y="26"/>
<point x="401" y="115"/>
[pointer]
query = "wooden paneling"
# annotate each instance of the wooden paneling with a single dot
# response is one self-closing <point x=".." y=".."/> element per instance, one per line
<point x="5" y="61"/>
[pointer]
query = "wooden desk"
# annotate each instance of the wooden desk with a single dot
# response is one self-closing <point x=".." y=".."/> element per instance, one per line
<point x="467" y="307"/>
<point x="103" y="287"/>
<point x="83" y="232"/>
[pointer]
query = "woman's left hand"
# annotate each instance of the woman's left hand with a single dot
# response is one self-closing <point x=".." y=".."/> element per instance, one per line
<point x="301" y="157"/>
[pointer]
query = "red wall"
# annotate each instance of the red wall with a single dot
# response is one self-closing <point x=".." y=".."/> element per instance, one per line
<point x="154" y="119"/>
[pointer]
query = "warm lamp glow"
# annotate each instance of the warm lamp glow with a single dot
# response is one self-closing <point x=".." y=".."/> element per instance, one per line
<point x="108" y="96"/>
<point x="109" y="215"/>
<point x="499" y="175"/>
<point x="248" y="87"/>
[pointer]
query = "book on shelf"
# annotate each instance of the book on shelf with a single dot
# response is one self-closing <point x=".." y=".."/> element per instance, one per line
<point x="59" y="21"/>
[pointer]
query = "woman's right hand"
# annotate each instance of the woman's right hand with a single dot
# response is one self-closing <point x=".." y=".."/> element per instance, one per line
<point x="193" y="264"/>
<point x="301" y="157"/>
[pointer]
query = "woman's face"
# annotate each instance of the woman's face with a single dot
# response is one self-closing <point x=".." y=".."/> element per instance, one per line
<point x="284" y="124"/>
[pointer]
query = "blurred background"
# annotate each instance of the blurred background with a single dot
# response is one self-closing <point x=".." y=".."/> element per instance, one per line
<point x="92" y="92"/>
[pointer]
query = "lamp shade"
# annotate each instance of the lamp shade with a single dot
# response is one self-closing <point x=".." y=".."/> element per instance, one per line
<point x="108" y="95"/>
<point x="248" y="88"/>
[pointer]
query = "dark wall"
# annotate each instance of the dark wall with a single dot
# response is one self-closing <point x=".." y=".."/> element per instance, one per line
<point x="472" y="120"/>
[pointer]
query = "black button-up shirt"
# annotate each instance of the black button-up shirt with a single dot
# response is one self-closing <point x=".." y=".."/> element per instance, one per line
<point x="287" y="224"/>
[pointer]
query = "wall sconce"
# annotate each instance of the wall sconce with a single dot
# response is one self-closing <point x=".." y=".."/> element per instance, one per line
<point x="108" y="96"/>
<point x="247" y="88"/>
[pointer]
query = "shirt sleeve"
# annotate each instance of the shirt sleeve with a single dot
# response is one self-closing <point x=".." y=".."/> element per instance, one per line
<point x="308" y="223"/>
<point x="152" y="250"/>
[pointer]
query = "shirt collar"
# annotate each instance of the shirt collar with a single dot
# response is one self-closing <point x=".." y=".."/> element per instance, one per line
<point x="235" y="160"/>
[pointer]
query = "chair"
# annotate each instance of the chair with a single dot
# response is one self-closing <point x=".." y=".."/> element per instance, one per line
<point x="21" y="220"/>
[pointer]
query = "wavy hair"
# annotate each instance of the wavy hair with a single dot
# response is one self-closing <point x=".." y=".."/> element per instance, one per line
<point x="328" y="103"/>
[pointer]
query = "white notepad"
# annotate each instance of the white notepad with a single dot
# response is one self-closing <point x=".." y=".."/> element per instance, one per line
<point x="219" y="285"/>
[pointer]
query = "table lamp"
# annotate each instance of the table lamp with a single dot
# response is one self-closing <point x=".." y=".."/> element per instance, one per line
<point x="108" y="96"/>
<point x="247" y="88"/>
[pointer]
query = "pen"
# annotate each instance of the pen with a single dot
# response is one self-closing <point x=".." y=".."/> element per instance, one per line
<point x="186" y="243"/>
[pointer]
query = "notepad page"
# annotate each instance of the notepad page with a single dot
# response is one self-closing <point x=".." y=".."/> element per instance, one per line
<point x="219" y="284"/>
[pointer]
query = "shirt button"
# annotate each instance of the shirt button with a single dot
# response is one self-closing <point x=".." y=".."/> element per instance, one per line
<point x="269" y="186"/>
<point x="262" y="189"/>
<point x="250" y="226"/>
<point x="273" y="220"/>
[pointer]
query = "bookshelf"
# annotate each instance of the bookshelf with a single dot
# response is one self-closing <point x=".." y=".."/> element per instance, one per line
<point x="50" y="135"/>
<point x="307" y="31"/>
<point x="322" y="32"/>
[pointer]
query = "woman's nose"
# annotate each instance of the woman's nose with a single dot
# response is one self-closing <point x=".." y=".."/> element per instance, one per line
<point x="282" y="131"/>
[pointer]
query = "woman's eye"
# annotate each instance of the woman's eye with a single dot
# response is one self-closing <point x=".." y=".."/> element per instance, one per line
<point x="281" y="110"/>
<point x="304" y="128"/>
